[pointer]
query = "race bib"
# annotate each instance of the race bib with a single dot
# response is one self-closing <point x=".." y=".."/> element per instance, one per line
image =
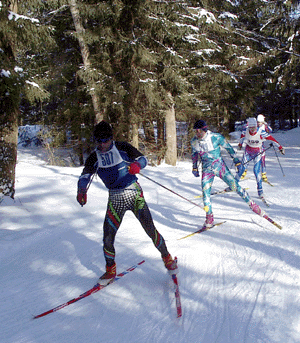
<point x="109" y="159"/>
<point x="206" y="144"/>
<point x="254" y="141"/>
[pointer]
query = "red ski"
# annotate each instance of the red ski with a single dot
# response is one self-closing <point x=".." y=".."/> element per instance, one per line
<point x="94" y="289"/>
<point x="177" y="294"/>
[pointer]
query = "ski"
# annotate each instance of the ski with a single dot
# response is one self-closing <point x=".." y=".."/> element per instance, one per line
<point x="269" y="183"/>
<point x="223" y="191"/>
<point x="245" y="178"/>
<point x="214" y="193"/>
<point x="264" y="201"/>
<point x="201" y="230"/>
<point x="177" y="294"/>
<point x="272" y="221"/>
<point x="93" y="290"/>
<point x="264" y="215"/>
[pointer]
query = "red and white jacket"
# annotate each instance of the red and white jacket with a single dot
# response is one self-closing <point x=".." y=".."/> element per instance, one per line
<point x="254" y="141"/>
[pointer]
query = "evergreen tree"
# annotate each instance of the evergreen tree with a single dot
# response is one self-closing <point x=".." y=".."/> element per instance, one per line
<point x="85" y="57"/>
<point x="70" y="107"/>
<point x="283" y="82"/>
<point x="150" y="59"/>
<point x="20" y="33"/>
<point x="271" y="30"/>
<point x="9" y="101"/>
<point x="132" y="47"/>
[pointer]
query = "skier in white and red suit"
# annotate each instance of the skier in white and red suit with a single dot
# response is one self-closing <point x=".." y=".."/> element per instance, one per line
<point x="254" y="138"/>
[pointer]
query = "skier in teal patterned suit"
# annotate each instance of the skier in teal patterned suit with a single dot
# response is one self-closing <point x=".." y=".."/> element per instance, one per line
<point x="117" y="164"/>
<point x="206" y="148"/>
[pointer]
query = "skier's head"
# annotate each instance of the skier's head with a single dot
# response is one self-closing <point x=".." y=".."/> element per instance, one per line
<point x="200" y="124"/>
<point x="201" y="128"/>
<point x="103" y="136"/>
<point x="260" y="119"/>
<point x="252" y="125"/>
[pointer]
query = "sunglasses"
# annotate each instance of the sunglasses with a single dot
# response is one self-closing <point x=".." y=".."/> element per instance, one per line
<point x="103" y="140"/>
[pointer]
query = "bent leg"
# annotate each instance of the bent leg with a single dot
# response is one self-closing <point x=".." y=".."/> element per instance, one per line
<point x="235" y="186"/>
<point x="227" y="177"/>
<point x="207" y="181"/>
<point x="263" y="162"/>
<point x="112" y="222"/>
<point x="257" y="173"/>
<point x="242" y="168"/>
<point x="142" y="213"/>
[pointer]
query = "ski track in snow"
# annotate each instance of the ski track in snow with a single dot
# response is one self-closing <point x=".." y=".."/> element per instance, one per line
<point x="239" y="282"/>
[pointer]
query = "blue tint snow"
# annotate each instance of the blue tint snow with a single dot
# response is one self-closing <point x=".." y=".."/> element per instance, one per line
<point x="239" y="282"/>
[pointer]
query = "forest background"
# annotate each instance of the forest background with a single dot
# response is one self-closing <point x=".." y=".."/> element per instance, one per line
<point x="67" y="64"/>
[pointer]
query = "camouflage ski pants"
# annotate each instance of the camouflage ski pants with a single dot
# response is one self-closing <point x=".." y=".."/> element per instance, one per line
<point x="219" y="168"/>
<point x="120" y="201"/>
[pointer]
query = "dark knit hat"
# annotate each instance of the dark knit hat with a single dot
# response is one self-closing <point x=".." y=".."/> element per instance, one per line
<point x="200" y="124"/>
<point x="102" y="131"/>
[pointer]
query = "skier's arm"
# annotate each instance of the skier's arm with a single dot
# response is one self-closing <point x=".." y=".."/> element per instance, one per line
<point x="84" y="179"/>
<point x="89" y="169"/>
<point x="231" y="152"/>
<point x="242" y="138"/>
<point x="195" y="170"/>
<point x="267" y="136"/>
<point x="268" y="128"/>
<point x="271" y="138"/>
<point x="229" y="148"/>
<point x="195" y="157"/>
<point x="137" y="159"/>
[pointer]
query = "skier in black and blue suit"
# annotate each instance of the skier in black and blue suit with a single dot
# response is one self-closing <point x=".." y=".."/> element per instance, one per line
<point x="117" y="164"/>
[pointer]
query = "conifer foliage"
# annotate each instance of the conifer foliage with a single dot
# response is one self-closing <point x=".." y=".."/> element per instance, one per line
<point x="20" y="32"/>
<point x="145" y="64"/>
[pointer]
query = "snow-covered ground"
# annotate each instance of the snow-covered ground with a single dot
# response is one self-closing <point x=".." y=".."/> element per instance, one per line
<point x="239" y="282"/>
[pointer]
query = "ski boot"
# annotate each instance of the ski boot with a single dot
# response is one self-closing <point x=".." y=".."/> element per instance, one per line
<point x="209" y="221"/>
<point x="108" y="276"/>
<point x="256" y="209"/>
<point x="264" y="177"/>
<point x="244" y="174"/>
<point x="170" y="264"/>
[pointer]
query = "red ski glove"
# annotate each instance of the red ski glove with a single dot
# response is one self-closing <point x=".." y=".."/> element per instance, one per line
<point x="134" y="168"/>
<point x="81" y="198"/>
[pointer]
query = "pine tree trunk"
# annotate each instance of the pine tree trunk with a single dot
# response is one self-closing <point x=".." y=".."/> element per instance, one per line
<point x="9" y="102"/>
<point x="160" y="146"/>
<point x="135" y="135"/>
<point x="8" y="150"/>
<point x="85" y="57"/>
<point x="171" y="139"/>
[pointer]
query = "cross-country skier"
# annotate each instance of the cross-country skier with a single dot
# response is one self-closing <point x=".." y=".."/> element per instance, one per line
<point x="254" y="138"/>
<point x="206" y="148"/>
<point x="117" y="164"/>
<point x="262" y="125"/>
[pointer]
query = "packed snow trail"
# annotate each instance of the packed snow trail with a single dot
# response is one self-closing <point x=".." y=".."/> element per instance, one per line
<point x="239" y="282"/>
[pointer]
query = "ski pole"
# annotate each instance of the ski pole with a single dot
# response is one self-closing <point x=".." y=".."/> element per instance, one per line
<point x="88" y="186"/>
<point x="270" y="146"/>
<point x="278" y="159"/>
<point x="171" y="191"/>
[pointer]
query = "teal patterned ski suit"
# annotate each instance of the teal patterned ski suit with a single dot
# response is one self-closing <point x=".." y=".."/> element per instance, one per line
<point x="208" y="152"/>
